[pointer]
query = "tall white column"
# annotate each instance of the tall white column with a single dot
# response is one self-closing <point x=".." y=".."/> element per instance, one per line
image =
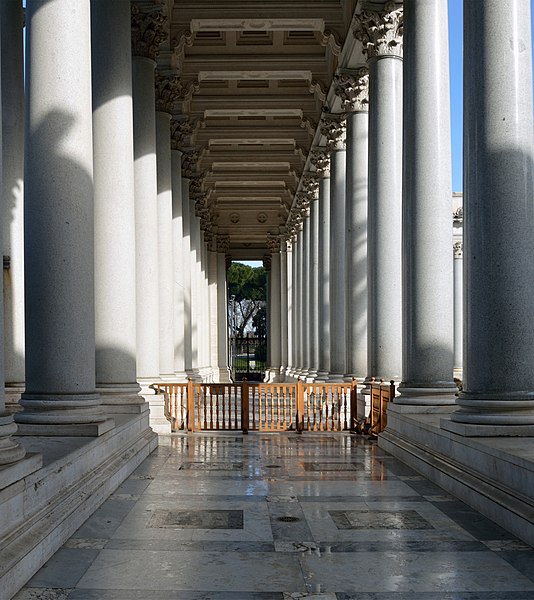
<point x="380" y="34"/>
<point x="294" y="303"/>
<point x="213" y="281"/>
<point x="321" y="161"/>
<point x="178" y="261"/>
<point x="299" y="341"/>
<point x="11" y="21"/>
<point x="145" y="178"/>
<point x="10" y="450"/>
<point x="498" y="386"/>
<point x="304" y="293"/>
<point x="354" y="92"/>
<point x="165" y="92"/>
<point x="334" y="128"/>
<point x="427" y="377"/>
<point x="290" y="306"/>
<point x="224" y="375"/>
<point x="205" y="315"/>
<point x="187" y="278"/>
<point x="284" y="307"/>
<point x="60" y="394"/>
<point x="313" y="277"/>
<point x="458" y="311"/>
<point x="274" y="312"/>
<point x="195" y="299"/>
<point x="115" y="308"/>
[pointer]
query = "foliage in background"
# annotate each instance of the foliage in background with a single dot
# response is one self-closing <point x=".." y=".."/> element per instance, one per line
<point x="248" y="286"/>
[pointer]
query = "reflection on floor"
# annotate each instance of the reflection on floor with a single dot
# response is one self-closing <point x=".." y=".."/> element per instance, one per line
<point x="276" y="517"/>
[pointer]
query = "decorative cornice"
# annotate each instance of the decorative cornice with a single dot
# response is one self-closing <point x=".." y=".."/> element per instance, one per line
<point x="381" y="32"/>
<point x="167" y="90"/>
<point x="331" y="39"/>
<point x="148" y="31"/>
<point x="353" y="89"/>
<point x="334" y="128"/>
<point x="458" y="249"/>
<point x="320" y="159"/>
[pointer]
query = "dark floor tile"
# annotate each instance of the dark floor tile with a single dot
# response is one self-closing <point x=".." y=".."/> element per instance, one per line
<point x="64" y="569"/>
<point x="521" y="560"/>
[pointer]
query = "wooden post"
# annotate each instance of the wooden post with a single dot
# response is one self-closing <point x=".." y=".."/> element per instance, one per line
<point x="300" y="406"/>
<point x="190" y="406"/>
<point x="244" y="407"/>
<point x="353" y="404"/>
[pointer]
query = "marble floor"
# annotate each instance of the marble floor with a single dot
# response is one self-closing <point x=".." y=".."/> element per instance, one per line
<point x="283" y="516"/>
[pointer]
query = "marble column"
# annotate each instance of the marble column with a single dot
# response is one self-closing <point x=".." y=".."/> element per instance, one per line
<point x="11" y="22"/>
<point x="334" y="128"/>
<point x="10" y="450"/>
<point x="299" y="346"/>
<point x="294" y="302"/>
<point x="115" y="308"/>
<point x="284" y="307"/>
<point x="353" y="89"/>
<point x="147" y="34"/>
<point x="224" y="375"/>
<point x="195" y="299"/>
<point x="60" y="396"/>
<point x="381" y="35"/>
<point x="274" y="311"/>
<point x="178" y="263"/>
<point x="304" y="293"/>
<point x="313" y="287"/>
<point x="458" y="311"/>
<point x="498" y="386"/>
<point x="321" y="161"/>
<point x="427" y="234"/>
<point x="187" y="278"/>
<point x="213" y="306"/>
<point x="290" y="308"/>
<point x="166" y="90"/>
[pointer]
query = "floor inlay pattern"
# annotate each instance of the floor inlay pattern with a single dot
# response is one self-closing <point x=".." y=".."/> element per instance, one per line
<point x="282" y="517"/>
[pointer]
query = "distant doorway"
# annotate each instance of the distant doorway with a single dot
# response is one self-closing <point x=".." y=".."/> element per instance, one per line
<point x="248" y="358"/>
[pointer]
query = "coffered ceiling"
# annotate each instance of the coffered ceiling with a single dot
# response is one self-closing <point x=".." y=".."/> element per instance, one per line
<point x="255" y="77"/>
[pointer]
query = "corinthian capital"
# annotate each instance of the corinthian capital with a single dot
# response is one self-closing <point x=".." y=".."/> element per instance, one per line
<point x="320" y="159"/>
<point x="273" y="242"/>
<point x="148" y="32"/>
<point x="167" y="90"/>
<point x="310" y="185"/>
<point x="353" y="89"/>
<point x="181" y="129"/>
<point x="381" y="32"/>
<point x="223" y="243"/>
<point x="458" y="248"/>
<point x="334" y="128"/>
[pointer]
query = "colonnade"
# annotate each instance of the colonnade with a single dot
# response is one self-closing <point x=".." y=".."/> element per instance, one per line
<point x="125" y="283"/>
<point x="387" y="300"/>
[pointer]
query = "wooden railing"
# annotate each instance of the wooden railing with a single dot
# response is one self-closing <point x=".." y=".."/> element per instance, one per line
<point x="271" y="407"/>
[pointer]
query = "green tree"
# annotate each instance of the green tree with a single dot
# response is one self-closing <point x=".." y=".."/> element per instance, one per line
<point x="248" y="286"/>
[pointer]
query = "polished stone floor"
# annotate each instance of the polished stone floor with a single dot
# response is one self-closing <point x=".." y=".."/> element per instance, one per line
<point x="276" y="517"/>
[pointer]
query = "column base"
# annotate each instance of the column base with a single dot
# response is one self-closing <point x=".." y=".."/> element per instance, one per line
<point x="10" y="450"/>
<point x="427" y="396"/>
<point x="180" y="376"/>
<point x="13" y="393"/>
<point x="122" y="398"/>
<point x="311" y="376"/>
<point x="223" y="375"/>
<point x="273" y="376"/>
<point x="475" y="430"/>
<point x="66" y="429"/>
<point x="335" y="378"/>
<point x="322" y="376"/>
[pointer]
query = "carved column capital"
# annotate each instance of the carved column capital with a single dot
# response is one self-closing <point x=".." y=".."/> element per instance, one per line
<point x="190" y="163"/>
<point x="458" y="249"/>
<point x="267" y="262"/>
<point x="320" y="159"/>
<point x="223" y="243"/>
<point x="310" y="185"/>
<point x="167" y="91"/>
<point x="334" y="128"/>
<point x="148" y="31"/>
<point x="273" y="242"/>
<point x="181" y="129"/>
<point x="353" y="89"/>
<point x="381" y="32"/>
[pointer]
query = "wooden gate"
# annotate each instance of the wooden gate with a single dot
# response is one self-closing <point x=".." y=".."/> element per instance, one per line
<point x="259" y="407"/>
